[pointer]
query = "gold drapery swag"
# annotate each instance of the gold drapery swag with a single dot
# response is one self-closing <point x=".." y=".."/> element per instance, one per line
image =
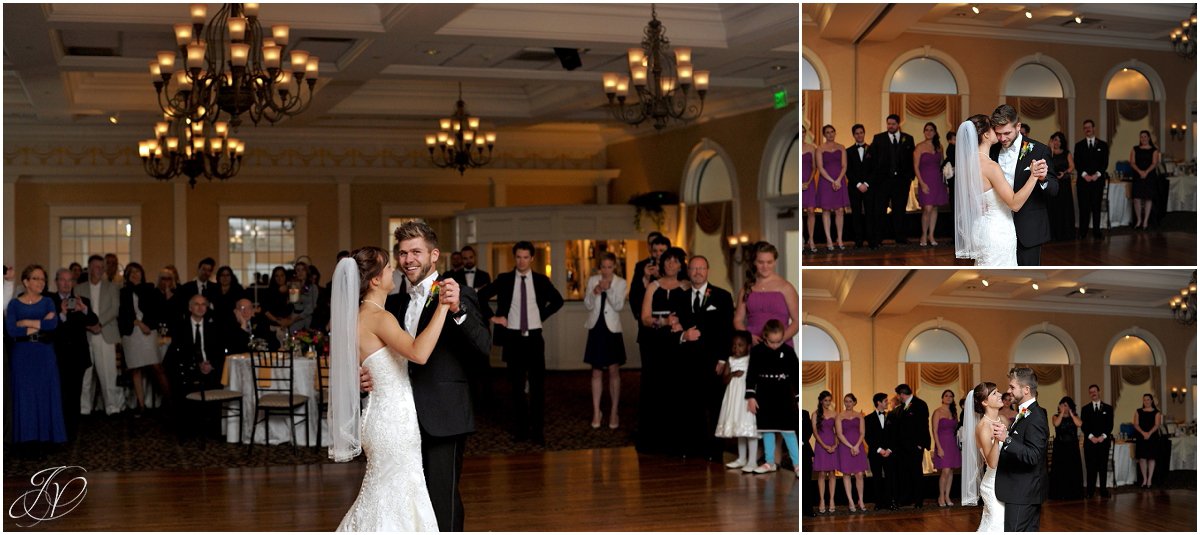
<point x="831" y="372"/>
<point x="1041" y="108"/>
<point x="1132" y="110"/>
<point x="936" y="373"/>
<point x="1135" y="375"/>
<point x="926" y="105"/>
<point x="811" y="101"/>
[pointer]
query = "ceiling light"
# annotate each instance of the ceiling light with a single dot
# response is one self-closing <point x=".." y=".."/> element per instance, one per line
<point x="986" y="283"/>
<point x="1028" y="15"/>
<point x="1083" y="290"/>
<point x="778" y="67"/>
<point x="432" y="52"/>
<point x="975" y="9"/>
<point x="114" y="119"/>
<point x="1035" y="287"/>
<point x="1078" y="19"/>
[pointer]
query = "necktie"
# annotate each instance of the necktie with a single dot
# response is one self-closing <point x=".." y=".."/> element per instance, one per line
<point x="198" y="339"/>
<point x="201" y="288"/>
<point x="524" y="309"/>
<point x="1096" y="407"/>
<point x="1090" y="144"/>
<point x="696" y="300"/>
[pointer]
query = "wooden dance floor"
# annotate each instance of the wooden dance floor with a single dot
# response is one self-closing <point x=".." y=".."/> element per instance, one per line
<point x="1157" y="510"/>
<point x="582" y="490"/>
<point x="1123" y="248"/>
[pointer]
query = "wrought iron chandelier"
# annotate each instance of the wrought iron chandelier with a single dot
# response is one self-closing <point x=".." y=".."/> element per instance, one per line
<point x="460" y="144"/>
<point x="233" y="67"/>
<point x="1183" y="306"/>
<point x="1184" y="38"/>
<point x="662" y="82"/>
<point x="181" y="147"/>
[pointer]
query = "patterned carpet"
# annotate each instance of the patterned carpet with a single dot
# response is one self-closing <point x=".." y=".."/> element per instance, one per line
<point x="121" y="443"/>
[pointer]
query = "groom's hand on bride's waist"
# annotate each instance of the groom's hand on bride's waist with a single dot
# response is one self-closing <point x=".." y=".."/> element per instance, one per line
<point x="364" y="378"/>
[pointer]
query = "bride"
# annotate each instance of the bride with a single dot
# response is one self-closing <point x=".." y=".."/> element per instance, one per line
<point x="984" y="200"/>
<point x="987" y="407"/>
<point x="393" y="496"/>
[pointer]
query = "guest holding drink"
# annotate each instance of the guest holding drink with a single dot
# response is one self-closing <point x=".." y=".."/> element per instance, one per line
<point x="826" y="461"/>
<point x="1067" y="470"/>
<point x="605" y="349"/>
<point x="142" y="310"/>
<point x="931" y="191"/>
<point x="833" y="195"/>
<point x="1062" y="206"/>
<point x="808" y="185"/>
<point x="1144" y="158"/>
<point x="852" y="450"/>
<point x="1147" y="421"/>
<point x="946" y="454"/>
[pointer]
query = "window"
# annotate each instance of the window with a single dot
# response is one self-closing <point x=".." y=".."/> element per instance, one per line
<point x="257" y="244"/>
<point x="924" y="75"/>
<point x="81" y="237"/>
<point x="789" y="174"/>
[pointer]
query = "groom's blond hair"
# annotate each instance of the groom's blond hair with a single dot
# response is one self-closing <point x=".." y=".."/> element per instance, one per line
<point x="1025" y="377"/>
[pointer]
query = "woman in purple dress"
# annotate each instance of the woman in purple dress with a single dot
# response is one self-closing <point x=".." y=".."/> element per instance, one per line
<point x="808" y="188"/>
<point x="852" y="455"/>
<point x="946" y="455"/>
<point x="931" y="190"/>
<point x="766" y="296"/>
<point x="832" y="196"/>
<point x="825" y="463"/>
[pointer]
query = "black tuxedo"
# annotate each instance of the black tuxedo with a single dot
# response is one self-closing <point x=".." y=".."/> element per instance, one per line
<point x="72" y="356"/>
<point x="697" y="361"/>
<point x="212" y="289"/>
<point x="482" y="278"/>
<point x="809" y="493"/>
<point x="1090" y="194"/>
<point x="637" y="290"/>
<point x="1097" y="423"/>
<point x="182" y="362"/>
<point x="442" y="396"/>
<point x="861" y="204"/>
<point x="911" y="441"/>
<point x="893" y="171"/>
<point x="879" y="437"/>
<point x="1022" y="481"/>
<point x="1032" y="221"/>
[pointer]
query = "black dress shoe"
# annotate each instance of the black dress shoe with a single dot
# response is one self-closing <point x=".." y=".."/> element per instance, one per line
<point x="1099" y="236"/>
<point x="1104" y="494"/>
<point x="1090" y="493"/>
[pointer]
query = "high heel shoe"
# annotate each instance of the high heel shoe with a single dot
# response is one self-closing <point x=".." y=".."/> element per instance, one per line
<point x="614" y="423"/>
<point x="852" y="509"/>
<point x="933" y="243"/>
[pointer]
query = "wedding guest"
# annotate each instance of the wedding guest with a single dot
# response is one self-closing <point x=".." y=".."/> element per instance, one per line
<point x="1067" y="469"/>
<point x="826" y="461"/>
<point x="950" y="148"/>
<point x="852" y="449"/>
<point x="892" y="153"/>
<point x="605" y="348"/>
<point x="858" y="178"/>
<point x="665" y="299"/>
<point x="912" y="439"/>
<point x="1025" y="130"/>
<point x="879" y="450"/>
<point x="946" y="454"/>
<point x="195" y="358"/>
<point x="275" y="301"/>
<point x="1062" y="206"/>
<point x="70" y="344"/>
<point x="832" y="195"/>
<point x="766" y="296"/>
<point x="141" y="312"/>
<point x="1007" y="411"/>
<point x="103" y="337"/>
<point x="31" y="320"/>
<point x="931" y="191"/>
<point x="1144" y="158"/>
<point x="112" y="269"/>
<point x="1097" y="427"/>
<point x="456" y="261"/>
<point x="320" y="317"/>
<point x="703" y="348"/>
<point x="1091" y="159"/>
<point x="168" y="288"/>
<point x="306" y="304"/>
<point x="471" y="275"/>
<point x="228" y="291"/>
<point x="1147" y="421"/>
<point x="806" y="496"/>
<point x="736" y="421"/>
<point x="201" y="285"/>
<point x="525" y="300"/>
<point x="77" y="272"/>
<point x="809" y="183"/>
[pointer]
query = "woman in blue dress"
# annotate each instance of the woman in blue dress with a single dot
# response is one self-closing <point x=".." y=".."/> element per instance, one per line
<point x="30" y="320"/>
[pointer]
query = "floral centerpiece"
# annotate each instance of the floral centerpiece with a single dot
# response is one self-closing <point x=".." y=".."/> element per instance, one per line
<point x="311" y="338"/>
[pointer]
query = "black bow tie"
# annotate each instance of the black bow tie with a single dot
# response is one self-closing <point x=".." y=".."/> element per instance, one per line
<point x="468" y="271"/>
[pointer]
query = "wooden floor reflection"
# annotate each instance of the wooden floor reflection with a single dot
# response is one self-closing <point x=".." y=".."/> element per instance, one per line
<point x="584" y="490"/>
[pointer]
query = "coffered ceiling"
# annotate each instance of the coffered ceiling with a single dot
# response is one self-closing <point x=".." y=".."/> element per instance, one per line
<point x="870" y="292"/>
<point x="393" y="69"/>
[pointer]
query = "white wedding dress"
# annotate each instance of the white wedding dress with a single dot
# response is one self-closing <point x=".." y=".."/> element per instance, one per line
<point x="996" y="235"/>
<point x="393" y="496"/>
<point x="993" y="509"/>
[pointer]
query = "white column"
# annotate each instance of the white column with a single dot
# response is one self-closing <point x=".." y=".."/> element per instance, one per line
<point x="343" y="193"/>
<point x="180" y="200"/>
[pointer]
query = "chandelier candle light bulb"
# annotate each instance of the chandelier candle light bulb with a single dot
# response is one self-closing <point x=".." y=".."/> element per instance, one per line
<point x="199" y="13"/>
<point x="166" y="61"/>
<point x="237" y="28"/>
<point x="238" y="53"/>
<point x="195" y="56"/>
<point x="299" y="62"/>
<point x="313" y="67"/>
<point x="183" y="34"/>
<point x="251" y="10"/>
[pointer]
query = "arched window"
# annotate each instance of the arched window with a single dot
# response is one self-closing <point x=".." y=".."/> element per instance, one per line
<point x="708" y="192"/>
<point x="1037" y="94"/>
<point x="1033" y="80"/>
<point x="1134" y="370"/>
<point x="818" y="345"/>
<point x="1051" y="363"/>
<point x="808" y="76"/>
<point x="1132" y="106"/>
<point x="937" y="345"/>
<point x="789" y="183"/>
<point x="821" y="359"/>
<point x="937" y="360"/>
<point x="924" y="75"/>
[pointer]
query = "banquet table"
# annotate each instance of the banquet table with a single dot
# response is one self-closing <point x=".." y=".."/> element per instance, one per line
<point x="1183" y="452"/>
<point x="1182" y="195"/>
<point x="1120" y="204"/>
<point x="1124" y="470"/>
<point x="240" y="377"/>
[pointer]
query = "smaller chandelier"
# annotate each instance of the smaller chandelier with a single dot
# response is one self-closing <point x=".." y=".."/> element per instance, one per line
<point x="459" y="144"/>
<point x="1183" y="306"/>
<point x="661" y="81"/>
<point x="187" y="147"/>
<point x="1184" y="38"/>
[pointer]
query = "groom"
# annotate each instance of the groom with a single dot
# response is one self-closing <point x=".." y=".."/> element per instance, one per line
<point x="1021" y="477"/>
<point x="1020" y="160"/>
<point x="440" y="389"/>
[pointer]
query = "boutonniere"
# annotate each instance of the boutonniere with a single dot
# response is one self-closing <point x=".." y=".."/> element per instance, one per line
<point x="433" y="292"/>
<point x="707" y="294"/>
<point x="1025" y="148"/>
<point x="1020" y="416"/>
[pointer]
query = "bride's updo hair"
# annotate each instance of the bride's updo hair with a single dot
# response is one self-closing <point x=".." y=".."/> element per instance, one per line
<point x="982" y="123"/>
<point x="982" y="390"/>
<point x="371" y="261"/>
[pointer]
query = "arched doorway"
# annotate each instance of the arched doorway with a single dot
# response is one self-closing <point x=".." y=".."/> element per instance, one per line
<point x="778" y="194"/>
<point x="1134" y="364"/>
<point x="1043" y="93"/>
<point x="1054" y="357"/>
<point x="710" y="193"/>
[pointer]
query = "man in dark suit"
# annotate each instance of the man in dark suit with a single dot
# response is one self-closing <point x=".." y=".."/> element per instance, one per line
<point x="912" y="439"/>
<point x="194" y="360"/>
<point x="202" y="284"/>
<point x="809" y="494"/>
<point x="1022" y="481"/>
<point x="858" y="175"/>
<point x="1091" y="162"/>
<point x="644" y="272"/>
<point x="440" y="387"/>
<point x="1021" y="160"/>
<point x="892" y="155"/>
<point x="525" y="299"/>
<point x="879" y="448"/>
<point x="470" y="276"/>
<point x="71" y="345"/>
<point x="1097" y="419"/>
<point x="704" y="349"/>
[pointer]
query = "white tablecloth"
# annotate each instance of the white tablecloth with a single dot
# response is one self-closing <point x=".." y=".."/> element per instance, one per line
<point x="1120" y="206"/>
<point x="1124" y="470"/>
<point x="1182" y="196"/>
<point x="241" y="379"/>
<point x="1183" y="453"/>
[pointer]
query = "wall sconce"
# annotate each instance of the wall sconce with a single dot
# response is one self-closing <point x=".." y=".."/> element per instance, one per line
<point x="740" y="249"/>
<point x="1178" y="395"/>
<point x="1178" y="131"/>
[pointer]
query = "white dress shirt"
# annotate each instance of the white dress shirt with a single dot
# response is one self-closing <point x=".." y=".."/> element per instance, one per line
<point x="200" y="342"/>
<point x="94" y="295"/>
<point x="469" y="276"/>
<point x="417" y="296"/>
<point x="698" y="291"/>
<point x="534" y="318"/>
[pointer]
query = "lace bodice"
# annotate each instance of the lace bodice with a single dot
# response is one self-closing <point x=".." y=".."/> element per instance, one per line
<point x="996" y="233"/>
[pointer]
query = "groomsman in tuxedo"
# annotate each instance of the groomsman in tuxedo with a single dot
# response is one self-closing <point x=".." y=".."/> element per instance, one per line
<point x="202" y="284"/>
<point x="704" y="345"/>
<point x="470" y="276"/>
<point x="858" y="175"/>
<point x="809" y="494"/>
<point x="912" y="439"/>
<point x="891" y="154"/>
<point x="1091" y="160"/>
<point x="879" y="449"/>
<point x="1097" y="419"/>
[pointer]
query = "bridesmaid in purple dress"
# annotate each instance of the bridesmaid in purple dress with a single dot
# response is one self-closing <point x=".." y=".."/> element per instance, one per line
<point x="946" y="455"/>
<point x="833" y="195"/>
<point x="825" y="462"/>
<point x="852" y="455"/>
<point x="931" y="190"/>
<point x="808" y="188"/>
<point x="766" y="296"/>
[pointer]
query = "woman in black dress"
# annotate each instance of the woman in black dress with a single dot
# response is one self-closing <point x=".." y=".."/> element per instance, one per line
<point x="228" y="293"/>
<point x="1062" y="208"/>
<point x="665" y="299"/>
<point x="1147" y="421"/>
<point x="276" y="306"/>
<point x="605" y="346"/>
<point x="1144" y="158"/>
<point x="1066" y="473"/>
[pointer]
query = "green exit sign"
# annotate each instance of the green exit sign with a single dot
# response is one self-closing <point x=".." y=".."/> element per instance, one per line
<point x="781" y="99"/>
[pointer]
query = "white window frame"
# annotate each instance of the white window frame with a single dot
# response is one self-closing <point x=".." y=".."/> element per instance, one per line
<point x="60" y="211"/>
<point x="298" y="212"/>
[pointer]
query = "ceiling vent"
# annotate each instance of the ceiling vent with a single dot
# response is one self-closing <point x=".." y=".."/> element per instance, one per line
<point x="539" y="55"/>
<point x="92" y="51"/>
